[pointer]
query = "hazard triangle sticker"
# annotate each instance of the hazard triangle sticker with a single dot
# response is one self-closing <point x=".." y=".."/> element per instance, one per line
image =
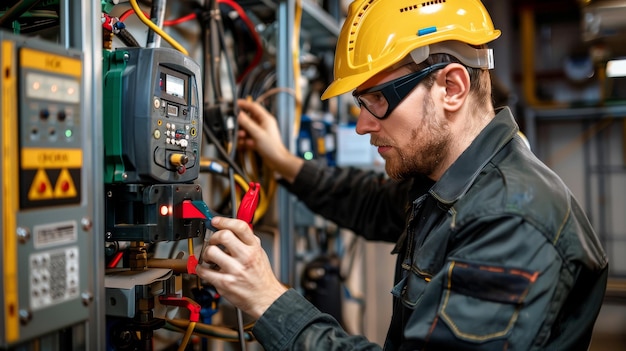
<point x="65" y="185"/>
<point x="40" y="189"/>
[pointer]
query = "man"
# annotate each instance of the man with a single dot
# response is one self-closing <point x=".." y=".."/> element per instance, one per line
<point x="494" y="252"/>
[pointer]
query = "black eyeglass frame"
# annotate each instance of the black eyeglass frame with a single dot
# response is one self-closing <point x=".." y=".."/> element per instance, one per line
<point x="394" y="91"/>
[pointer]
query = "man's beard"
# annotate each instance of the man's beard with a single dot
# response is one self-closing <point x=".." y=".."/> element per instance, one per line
<point x="429" y="145"/>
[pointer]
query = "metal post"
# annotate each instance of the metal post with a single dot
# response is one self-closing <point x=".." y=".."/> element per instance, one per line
<point x="285" y="78"/>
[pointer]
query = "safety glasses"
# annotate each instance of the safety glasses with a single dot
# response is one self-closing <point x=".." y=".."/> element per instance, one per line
<point x="382" y="99"/>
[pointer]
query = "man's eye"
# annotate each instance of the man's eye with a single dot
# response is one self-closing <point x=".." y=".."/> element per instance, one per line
<point x="373" y="99"/>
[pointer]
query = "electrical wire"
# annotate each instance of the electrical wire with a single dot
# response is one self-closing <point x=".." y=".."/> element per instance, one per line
<point x="267" y="174"/>
<point x="116" y="259"/>
<point x="220" y="149"/>
<point x="242" y="182"/>
<point x="229" y="152"/>
<point x="263" y="78"/>
<point x="296" y="66"/>
<point x="265" y="194"/>
<point x="235" y="173"/>
<point x="216" y="44"/>
<point x="127" y="38"/>
<point x="166" y="23"/>
<point x="155" y="28"/>
<point x="242" y="14"/>
<point x="260" y="85"/>
<point x="277" y="90"/>
<point x="209" y="330"/>
<point x="185" y="341"/>
<point x="180" y="20"/>
<point x="257" y="40"/>
<point x="124" y="16"/>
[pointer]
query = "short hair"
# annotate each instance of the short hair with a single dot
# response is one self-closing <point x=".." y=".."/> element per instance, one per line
<point x="480" y="78"/>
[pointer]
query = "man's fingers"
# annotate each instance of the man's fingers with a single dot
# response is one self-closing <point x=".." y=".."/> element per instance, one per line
<point x="254" y="112"/>
<point x="240" y="229"/>
<point x="212" y="274"/>
<point x="247" y="105"/>
<point x="252" y="128"/>
<point x="215" y="255"/>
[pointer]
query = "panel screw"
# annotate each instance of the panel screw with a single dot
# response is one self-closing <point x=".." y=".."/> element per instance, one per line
<point x="23" y="234"/>
<point x="25" y="316"/>
<point x="86" y="223"/>
<point x="87" y="298"/>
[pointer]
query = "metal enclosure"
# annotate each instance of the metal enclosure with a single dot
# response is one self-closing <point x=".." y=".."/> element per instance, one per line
<point x="51" y="251"/>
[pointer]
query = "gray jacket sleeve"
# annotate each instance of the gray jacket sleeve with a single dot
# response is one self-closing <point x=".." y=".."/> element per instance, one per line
<point x="293" y="323"/>
<point x="365" y="202"/>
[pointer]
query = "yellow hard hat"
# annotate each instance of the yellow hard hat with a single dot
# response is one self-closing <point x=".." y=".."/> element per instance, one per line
<point x="379" y="33"/>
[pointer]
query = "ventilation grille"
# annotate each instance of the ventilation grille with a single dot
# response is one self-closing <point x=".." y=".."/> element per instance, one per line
<point x="367" y="5"/>
<point x="424" y="4"/>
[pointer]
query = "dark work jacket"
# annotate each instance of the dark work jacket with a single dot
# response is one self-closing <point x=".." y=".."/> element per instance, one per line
<point x="496" y="255"/>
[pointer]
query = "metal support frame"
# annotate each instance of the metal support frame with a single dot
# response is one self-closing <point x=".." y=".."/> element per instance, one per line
<point x="285" y="78"/>
<point x="81" y="29"/>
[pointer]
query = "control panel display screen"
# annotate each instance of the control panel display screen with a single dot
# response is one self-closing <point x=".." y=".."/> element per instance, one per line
<point x="174" y="86"/>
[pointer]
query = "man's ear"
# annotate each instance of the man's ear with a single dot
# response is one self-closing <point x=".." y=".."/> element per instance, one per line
<point x="456" y="80"/>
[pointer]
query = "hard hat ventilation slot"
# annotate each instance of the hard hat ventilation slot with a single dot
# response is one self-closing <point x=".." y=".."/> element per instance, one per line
<point x="356" y="24"/>
<point x="424" y="4"/>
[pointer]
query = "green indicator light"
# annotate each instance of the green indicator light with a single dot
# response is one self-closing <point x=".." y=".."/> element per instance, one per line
<point x="308" y="155"/>
<point x="68" y="133"/>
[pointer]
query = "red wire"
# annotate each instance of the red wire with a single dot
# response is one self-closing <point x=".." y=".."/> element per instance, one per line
<point x="173" y="22"/>
<point x="259" y="48"/>
<point x="113" y="263"/>
<point x="179" y="20"/>
<point x="126" y="14"/>
<point x="244" y="17"/>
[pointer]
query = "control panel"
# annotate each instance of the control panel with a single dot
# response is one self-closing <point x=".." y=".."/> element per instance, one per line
<point x="152" y="135"/>
<point x="46" y="224"/>
<point x="152" y="116"/>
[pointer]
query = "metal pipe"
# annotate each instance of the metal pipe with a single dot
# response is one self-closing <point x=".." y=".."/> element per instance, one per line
<point x="157" y="16"/>
<point x="529" y="83"/>
<point x="177" y="265"/>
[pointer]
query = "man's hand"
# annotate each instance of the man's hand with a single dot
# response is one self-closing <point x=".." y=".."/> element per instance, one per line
<point x="238" y="267"/>
<point x="260" y="132"/>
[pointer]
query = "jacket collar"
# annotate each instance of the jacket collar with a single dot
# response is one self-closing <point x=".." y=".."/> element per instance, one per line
<point x="463" y="172"/>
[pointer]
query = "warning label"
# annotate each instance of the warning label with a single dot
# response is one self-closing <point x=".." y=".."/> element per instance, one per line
<point x="34" y="158"/>
<point x="50" y="177"/>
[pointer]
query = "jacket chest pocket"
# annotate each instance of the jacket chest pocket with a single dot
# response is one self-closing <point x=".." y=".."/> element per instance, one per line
<point x="411" y="288"/>
<point x="482" y="302"/>
<point x="418" y="270"/>
<point x="425" y="257"/>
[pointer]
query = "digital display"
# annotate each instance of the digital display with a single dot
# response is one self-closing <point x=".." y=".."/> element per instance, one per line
<point x="174" y="86"/>
<point x="172" y="110"/>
